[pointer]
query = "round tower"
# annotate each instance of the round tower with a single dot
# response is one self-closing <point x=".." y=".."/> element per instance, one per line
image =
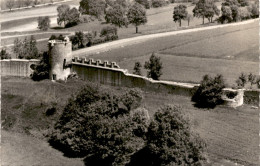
<point x="60" y="58"/>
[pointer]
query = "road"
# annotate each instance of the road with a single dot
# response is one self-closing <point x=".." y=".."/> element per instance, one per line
<point x="31" y="25"/>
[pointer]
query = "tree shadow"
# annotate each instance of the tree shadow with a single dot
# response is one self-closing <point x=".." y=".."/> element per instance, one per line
<point x="67" y="152"/>
<point x="57" y="28"/>
<point x="143" y="158"/>
<point x="96" y="161"/>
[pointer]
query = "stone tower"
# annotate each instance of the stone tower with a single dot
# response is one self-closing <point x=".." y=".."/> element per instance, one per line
<point x="60" y="59"/>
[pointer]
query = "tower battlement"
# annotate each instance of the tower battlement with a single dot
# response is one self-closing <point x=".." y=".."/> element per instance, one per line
<point x="98" y="62"/>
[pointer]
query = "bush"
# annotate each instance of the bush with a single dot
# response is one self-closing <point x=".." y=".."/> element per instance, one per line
<point x="132" y="99"/>
<point x="137" y="68"/>
<point x="158" y="3"/>
<point x="209" y="93"/>
<point x="85" y="19"/>
<point x="145" y="3"/>
<point x="4" y="54"/>
<point x="170" y="140"/>
<point x="108" y="30"/>
<point x="44" y="23"/>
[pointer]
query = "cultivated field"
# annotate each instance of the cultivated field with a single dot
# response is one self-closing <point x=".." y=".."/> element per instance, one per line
<point x="231" y="134"/>
<point x="187" y="57"/>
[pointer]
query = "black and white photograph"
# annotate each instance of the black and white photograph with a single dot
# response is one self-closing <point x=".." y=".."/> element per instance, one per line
<point x="129" y="83"/>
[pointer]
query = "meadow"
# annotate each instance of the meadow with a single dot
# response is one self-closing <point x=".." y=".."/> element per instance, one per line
<point x="187" y="57"/>
<point x="231" y="134"/>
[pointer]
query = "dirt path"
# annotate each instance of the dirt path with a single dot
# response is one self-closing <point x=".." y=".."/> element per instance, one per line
<point x="134" y="40"/>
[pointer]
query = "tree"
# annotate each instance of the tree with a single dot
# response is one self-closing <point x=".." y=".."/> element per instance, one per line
<point x="41" y="70"/>
<point x="189" y="18"/>
<point x="243" y="3"/>
<point x="116" y="15"/>
<point x="209" y="93"/>
<point x="226" y="14"/>
<point x="241" y="81"/>
<point x="63" y="12"/>
<point x="18" y="47"/>
<point x="4" y="54"/>
<point x="10" y="4"/>
<point x="19" y="3"/>
<point x="254" y="9"/>
<point x="73" y="17"/>
<point x="170" y="140"/>
<point x="145" y="3"/>
<point x="122" y="3"/>
<point x="244" y="13"/>
<point x="79" y="37"/>
<point x="69" y="17"/>
<point x="27" y="3"/>
<point x="137" y="15"/>
<point x="154" y="67"/>
<point x="137" y="68"/>
<point x="252" y="79"/>
<point x="205" y="9"/>
<point x="44" y="23"/>
<point x="36" y="2"/>
<point x="180" y="13"/>
<point x="92" y="7"/>
<point x="211" y="10"/>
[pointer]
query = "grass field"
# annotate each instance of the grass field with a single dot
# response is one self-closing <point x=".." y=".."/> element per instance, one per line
<point x="231" y="134"/>
<point x="187" y="57"/>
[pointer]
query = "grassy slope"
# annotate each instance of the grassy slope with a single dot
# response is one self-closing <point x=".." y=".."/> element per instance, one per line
<point x="230" y="133"/>
<point x="20" y="149"/>
<point x="190" y="55"/>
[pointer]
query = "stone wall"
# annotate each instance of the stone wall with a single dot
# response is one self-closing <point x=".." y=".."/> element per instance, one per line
<point x="110" y="74"/>
<point x="17" y="67"/>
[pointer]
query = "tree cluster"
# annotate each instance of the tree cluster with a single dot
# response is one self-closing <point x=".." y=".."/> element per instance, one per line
<point x="209" y="93"/>
<point x="81" y="40"/>
<point x="118" y="13"/>
<point x="153" y="66"/>
<point x="26" y="49"/>
<point x="69" y="17"/>
<point x="205" y="9"/>
<point x="233" y="11"/>
<point x="243" y="79"/>
<point x="111" y="129"/>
